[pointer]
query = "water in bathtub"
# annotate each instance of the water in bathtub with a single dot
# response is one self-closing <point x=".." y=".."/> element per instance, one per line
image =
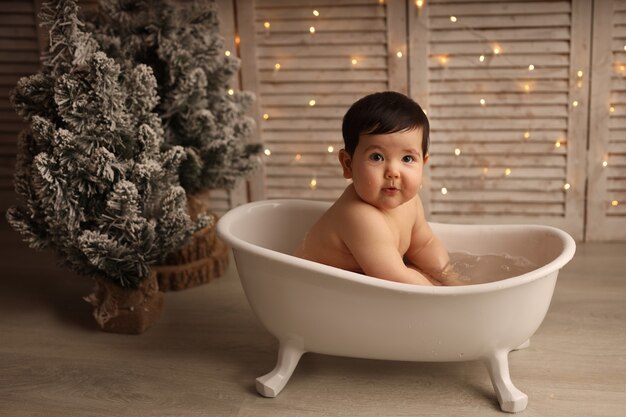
<point x="480" y="269"/>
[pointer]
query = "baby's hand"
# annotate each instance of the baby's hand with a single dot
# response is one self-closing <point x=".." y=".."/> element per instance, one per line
<point x="450" y="277"/>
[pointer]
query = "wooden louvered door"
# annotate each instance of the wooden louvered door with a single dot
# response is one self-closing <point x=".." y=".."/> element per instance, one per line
<point x="606" y="212"/>
<point x="507" y="99"/>
<point x="314" y="59"/>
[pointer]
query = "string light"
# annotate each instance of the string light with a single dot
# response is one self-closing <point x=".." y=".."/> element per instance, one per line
<point x="444" y="190"/>
<point x="507" y="172"/>
<point x="313" y="184"/>
<point x="527" y="135"/>
<point x="227" y="53"/>
<point x="276" y="66"/>
<point x="557" y="144"/>
<point x="566" y="186"/>
<point x="485" y="170"/>
<point x="312" y="30"/>
<point x="443" y="59"/>
<point x="575" y="103"/>
<point x="481" y="58"/>
<point x="496" y="50"/>
<point x="579" y="74"/>
<point x="231" y="92"/>
<point x="453" y="19"/>
<point x="605" y="163"/>
<point x="298" y="157"/>
<point x="399" y="54"/>
<point x="457" y="152"/>
<point x="237" y="40"/>
<point x="266" y="25"/>
<point x="312" y="103"/>
<point x="331" y="149"/>
<point x="316" y="13"/>
<point x="615" y="203"/>
<point x="612" y="109"/>
<point x="419" y="3"/>
<point x="482" y="102"/>
<point x="267" y="152"/>
<point x="354" y="61"/>
<point x="266" y="116"/>
<point x="527" y="88"/>
<point x="531" y="67"/>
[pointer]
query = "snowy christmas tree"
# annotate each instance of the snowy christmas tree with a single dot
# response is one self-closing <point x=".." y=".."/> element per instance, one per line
<point x="200" y="112"/>
<point x="96" y="186"/>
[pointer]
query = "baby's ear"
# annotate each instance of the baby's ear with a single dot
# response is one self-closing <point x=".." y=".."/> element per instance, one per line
<point x="426" y="157"/>
<point x="346" y="163"/>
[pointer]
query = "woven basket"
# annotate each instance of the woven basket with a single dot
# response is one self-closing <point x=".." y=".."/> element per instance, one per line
<point x="198" y="262"/>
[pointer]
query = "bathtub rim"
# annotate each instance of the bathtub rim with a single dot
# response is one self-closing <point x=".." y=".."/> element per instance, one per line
<point x="236" y="243"/>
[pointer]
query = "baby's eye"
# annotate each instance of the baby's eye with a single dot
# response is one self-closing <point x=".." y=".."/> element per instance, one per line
<point x="408" y="158"/>
<point x="376" y="157"/>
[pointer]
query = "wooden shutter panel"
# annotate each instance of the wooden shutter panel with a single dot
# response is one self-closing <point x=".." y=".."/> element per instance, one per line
<point x="506" y="136"/>
<point x="19" y="56"/>
<point x="606" y="214"/>
<point x="306" y="82"/>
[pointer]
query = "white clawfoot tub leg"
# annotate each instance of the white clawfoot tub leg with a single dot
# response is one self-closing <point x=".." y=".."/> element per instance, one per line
<point x="522" y="346"/>
<point x="271" y="384"/>
<point x="510" y="398"/>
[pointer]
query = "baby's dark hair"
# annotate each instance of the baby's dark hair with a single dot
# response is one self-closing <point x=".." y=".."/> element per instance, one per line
<point x="383" y="113"/>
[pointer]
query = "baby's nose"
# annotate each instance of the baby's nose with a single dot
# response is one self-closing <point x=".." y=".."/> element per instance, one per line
<point x="391" y="172"/>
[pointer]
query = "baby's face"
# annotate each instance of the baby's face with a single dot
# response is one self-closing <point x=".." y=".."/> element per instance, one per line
<point x="386" y="169"/>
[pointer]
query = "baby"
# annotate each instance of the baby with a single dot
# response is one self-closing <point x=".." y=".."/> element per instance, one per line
<point x="377" y="226"/>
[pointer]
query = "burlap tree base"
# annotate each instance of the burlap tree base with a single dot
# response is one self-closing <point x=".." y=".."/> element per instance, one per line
<point x="126" y="310"/>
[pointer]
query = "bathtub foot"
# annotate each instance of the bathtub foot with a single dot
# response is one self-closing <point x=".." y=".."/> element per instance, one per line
<point x="510" y="398"/>
<point x="271" y="384"/>
<point x="522" y="346"/>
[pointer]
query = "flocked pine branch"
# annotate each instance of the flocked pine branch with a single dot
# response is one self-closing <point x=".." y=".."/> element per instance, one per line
<point x="96" y="186"/>
<point x="182" y="44"/>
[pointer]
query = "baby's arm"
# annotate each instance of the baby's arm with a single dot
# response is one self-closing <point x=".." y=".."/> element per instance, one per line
<point x="372" y="244"/>
<point x="426" y="251"/>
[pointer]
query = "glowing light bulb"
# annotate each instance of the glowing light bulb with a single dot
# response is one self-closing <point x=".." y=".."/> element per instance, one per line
<point x="231" y="92"/>
<point x="482" y="102"/>
<point x="227" y="53"/>
<point x="444" y="190"/>
<point x="457" y="152"/>
<point x="399" y="54"/>
<point x="575" y="103"/>
<point x="331" y="149"/>
<point x="312" y="103"/>
<point x="313" y="184"/>
<point x="267" y="152"/>
<point x="481" y="58"/>
<point x="579" y="74"/>
<point x="266" y="116"/>
<point x="605" y="163"/>
<point x="266" y="25"/>
<point x="312" y="30"/>
<point x="526" y="135"/>
<point x="453" y="19"/>
<point x="612" y="109"/>
<point x="443" y="59"/>
<point x="354" y="61"/>
<point x="419" y="3"/>
<point x="298" y="157"/>
<point x="566" y="186"/>
<point x="527" y="87"/>
<point x="497" y="50"/>
<point x="316" y="13"/>
<point x="237" y="40"/>
<point x="615" y="203"/>
<point x="531" y="67"/>
<point x="276" y="66"/>
<point x="485" y="170"/>
<point x="507" y="172"/>
<point x="557" y="144"/>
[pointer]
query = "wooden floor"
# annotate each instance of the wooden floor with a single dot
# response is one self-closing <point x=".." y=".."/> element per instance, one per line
<point x="202" y="357"/>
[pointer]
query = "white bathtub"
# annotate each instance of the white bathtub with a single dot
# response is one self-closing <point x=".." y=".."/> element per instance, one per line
<point x="310" y="307"/>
